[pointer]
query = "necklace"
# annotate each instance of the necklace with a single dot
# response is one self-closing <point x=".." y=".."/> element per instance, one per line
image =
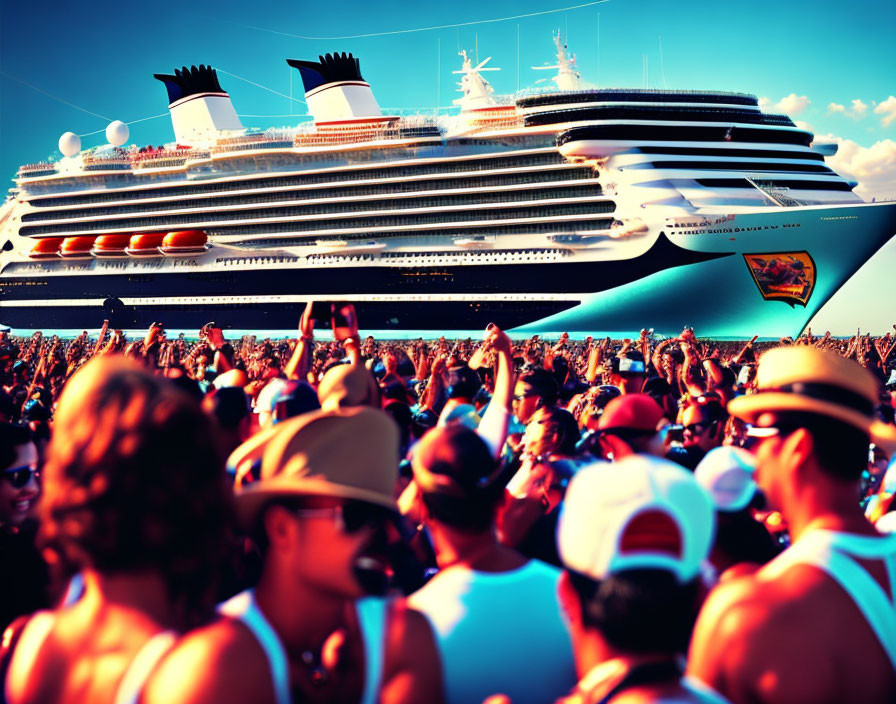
<point x="321" y="665"/>
<point x="317" y="671"/>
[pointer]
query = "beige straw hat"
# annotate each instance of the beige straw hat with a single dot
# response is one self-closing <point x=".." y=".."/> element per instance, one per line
<point x="810" y="380"/>
<point x="349" y="453"/>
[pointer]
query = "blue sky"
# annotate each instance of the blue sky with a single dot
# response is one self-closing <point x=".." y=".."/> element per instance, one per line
<point x="812" y="60"/>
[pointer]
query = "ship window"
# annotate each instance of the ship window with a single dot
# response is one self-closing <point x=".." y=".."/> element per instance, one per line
<point x="375" y="171"/>
<point x="393" y="218"/>
<point x="752" y="166"/>
<point x="777" y="183"/>
<point x="552" y="186"/>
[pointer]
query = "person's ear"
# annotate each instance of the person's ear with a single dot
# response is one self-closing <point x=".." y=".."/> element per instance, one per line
<point x="798" y="448"/>
<point x="281" y="527"/>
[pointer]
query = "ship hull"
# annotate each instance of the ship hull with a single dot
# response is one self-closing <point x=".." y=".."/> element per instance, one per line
<point x="722" y="297"/>
<point x="703" y="275"/>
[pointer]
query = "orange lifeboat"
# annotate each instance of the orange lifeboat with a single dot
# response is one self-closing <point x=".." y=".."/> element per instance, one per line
<point x="76" y="247"/>
<point x="183" y="242"/>
<point x="46" y="248"/>
<point x="111" y="246"/>
<point x="145" y="244"/>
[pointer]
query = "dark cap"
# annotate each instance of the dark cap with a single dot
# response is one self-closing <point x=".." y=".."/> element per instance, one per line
<point x="463" y="382"/>
<point x="454" y="461"/>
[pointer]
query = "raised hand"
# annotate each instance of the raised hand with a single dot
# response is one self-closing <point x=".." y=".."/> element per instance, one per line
<point x="306" y="322"/>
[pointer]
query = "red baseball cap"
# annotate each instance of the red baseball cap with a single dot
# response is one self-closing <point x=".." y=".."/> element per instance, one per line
<point x="631" y="412"/>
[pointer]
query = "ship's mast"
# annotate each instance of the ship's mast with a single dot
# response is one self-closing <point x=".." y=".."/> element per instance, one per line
<point x="477" y="92"/>
<point x="567" y="78"/>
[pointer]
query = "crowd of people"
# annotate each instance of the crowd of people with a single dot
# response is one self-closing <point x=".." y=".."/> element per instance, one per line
<point x="458" y="521"/>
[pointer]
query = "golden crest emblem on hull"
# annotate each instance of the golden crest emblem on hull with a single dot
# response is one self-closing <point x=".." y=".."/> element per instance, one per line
<point x="783" y="276"/>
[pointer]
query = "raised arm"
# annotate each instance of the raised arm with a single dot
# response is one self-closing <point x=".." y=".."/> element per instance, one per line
<point x="223" y="357"/>
<point x="300" y="363"/>
<point x="100" y="338"/>
<point x="433" y="396"/>
<point x="595" y="358"/>
<point x="691" y="372"/>
<point x="345" y="330"/>
<point x="656" y="358"/>
<point x="496" y="419"/>
<point x="738" y="358"/>
<point x="644" y="345"/>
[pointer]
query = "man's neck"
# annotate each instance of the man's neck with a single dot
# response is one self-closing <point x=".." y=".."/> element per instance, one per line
<point x="600" y="667"/>
<point x="827" y="504"/>
<point x="299" y="628"/>
<point x="631" y="385"/>
<point x="476" y="551"/>
<point x="144" y="594"/>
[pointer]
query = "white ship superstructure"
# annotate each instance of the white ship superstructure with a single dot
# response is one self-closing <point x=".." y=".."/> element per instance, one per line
<point x="574" y="209"/>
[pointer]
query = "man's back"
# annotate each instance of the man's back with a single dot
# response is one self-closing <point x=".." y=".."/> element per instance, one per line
<point x="794" y="632"/>
<point x="499" y="633"/>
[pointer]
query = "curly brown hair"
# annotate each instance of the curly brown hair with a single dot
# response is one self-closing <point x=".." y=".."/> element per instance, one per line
<point x="134" y="481"/>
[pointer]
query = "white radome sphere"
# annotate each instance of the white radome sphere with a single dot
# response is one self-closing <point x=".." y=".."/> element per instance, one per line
<point x="117" y="133"/>
<point x="69" y="144"/>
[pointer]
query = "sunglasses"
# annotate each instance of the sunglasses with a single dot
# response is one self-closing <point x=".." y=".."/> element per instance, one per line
<point x="696" y="428"/>
<point x="19" y="477"/>
<point x="754" y="435"/>
<point x="351" y="516"/>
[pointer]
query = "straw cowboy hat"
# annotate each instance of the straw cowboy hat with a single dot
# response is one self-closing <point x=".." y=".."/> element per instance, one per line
<point x="810" y="380"/>
<point x="346" y="453"/>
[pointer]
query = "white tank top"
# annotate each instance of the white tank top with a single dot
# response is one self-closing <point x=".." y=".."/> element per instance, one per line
<point x="499" y="632"/>
<point x="371" y="619"/>
<point x="835" y="553"/>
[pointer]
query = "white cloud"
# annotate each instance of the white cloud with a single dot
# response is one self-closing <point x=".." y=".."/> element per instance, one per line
<point x="856" y="111"/>
<point x="792" y="104"/>
<point x="887" y="109"/>
<point x="803" y="125"/>
<point x="873" y="167"/>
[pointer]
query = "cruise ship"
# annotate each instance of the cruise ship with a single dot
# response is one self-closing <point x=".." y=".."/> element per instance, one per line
<point x="587" y="210"/>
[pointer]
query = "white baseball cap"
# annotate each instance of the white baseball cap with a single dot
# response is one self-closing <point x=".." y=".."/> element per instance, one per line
<point x="267" y="397"/>
<point x="727" y="474"/>
<point x="888" y="483"/>
<point x="887" y="523"/>
<point x="892" y="380"/>
<point x="639" y="513"/>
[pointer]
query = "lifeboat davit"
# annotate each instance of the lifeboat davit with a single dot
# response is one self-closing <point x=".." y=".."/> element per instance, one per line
<point x="111" y="246"/>
<point x="182" y="242"/>
<point x="76" y="247"/>
<point x="145" y="244"/>
<point x="46" y="248"/>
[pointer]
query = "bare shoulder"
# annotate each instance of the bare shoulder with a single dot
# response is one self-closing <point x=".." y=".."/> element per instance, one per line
<point x="733" y="614"/>
<point x="413" y="669"/>
<point x="739" y="598"/>
<point x="217" y="664"/>
<point x="756" y="635"/>
<point x="408" y="628"/>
